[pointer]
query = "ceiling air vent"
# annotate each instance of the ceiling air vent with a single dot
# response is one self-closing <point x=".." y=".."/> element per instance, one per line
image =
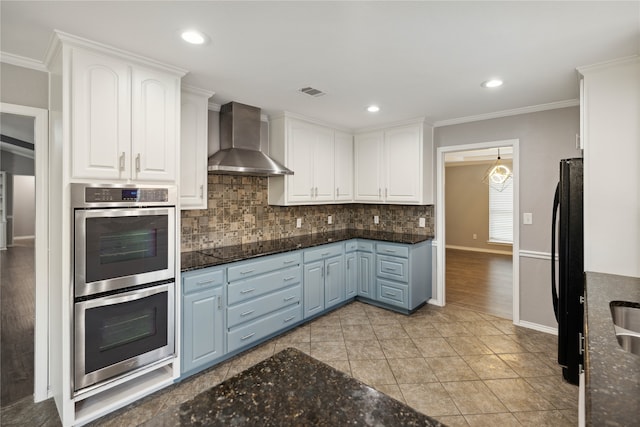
<point x="312" y="92"/>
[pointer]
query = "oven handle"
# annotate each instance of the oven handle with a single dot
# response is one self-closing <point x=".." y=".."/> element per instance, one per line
<point x="126" y="296"/>
<point x="102" y="213"/>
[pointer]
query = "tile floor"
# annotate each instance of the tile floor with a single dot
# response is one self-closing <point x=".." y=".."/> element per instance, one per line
<point x="459" y="366"/>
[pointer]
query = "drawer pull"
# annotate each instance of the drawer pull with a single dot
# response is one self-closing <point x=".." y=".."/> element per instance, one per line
<point x="290" y="298"/>
<point x="247" y="271"/>
<point x="246" y="291"/>
<point x="289" y="262"/>
<point x="246" y="337"/>
<point x="325" y="254"/>
<point x="289" y="319"/>
<point x="246" y="313"/>
<point x="389" y="294"/>
<point x="204" y="282"/>
<point x="389" y="269"/>
<point x="286" y="279"/>
<point x="392" y="251"/>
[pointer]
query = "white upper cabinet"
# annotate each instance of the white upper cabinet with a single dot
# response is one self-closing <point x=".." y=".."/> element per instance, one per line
<point x="343" y="167"/>
<point x="309" y="151"/>
<point x="193" y="147"/>
<point x="368" y="152"/>
<point x="101" y="116"/>
<point x="395" y="165"/>
<point x="124" y="116"/>
<point x="155" y="125"/>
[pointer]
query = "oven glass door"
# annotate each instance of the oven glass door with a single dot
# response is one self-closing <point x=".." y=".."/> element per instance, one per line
<point x="117" y="248"/>
<point x="119" y="333"/>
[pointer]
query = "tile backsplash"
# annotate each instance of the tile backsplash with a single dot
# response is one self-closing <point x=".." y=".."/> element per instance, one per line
<point x="238" y="212"/>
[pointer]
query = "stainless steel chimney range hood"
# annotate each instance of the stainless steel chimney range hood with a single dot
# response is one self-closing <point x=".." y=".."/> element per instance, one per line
<point x="240" y="152"/>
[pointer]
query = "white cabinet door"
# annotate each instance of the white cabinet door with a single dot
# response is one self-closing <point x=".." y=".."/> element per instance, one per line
<point x="343" y="146"/>
<point x="368" y="149"/>
<point x="100" y="116"/>
<point x="402" y="160"/>
<point x="300" y="143"/>
<point x="155" y="109"/>
<point x="323" y="164"/>
<point x="193" y="148"/>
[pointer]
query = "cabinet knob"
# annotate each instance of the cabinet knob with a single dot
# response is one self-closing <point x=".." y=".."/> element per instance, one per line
<point x="316" y="191"/>
<point x="122" y="157"/>
<point x="379" y="193"/>
<point x="201" y="191"/>
<point x="337" y="191"/>
<point x="385" y="193"/>
<point x="138" y="163"/>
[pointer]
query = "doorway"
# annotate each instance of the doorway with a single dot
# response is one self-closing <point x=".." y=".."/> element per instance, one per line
<point x="24" y="263"/>
<point x="479" y="231"/>
<point x="478" y="266"/>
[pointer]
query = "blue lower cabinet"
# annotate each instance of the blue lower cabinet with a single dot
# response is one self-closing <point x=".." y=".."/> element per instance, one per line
<point x="334" y="284"/>
<point x="313" y="288"/>
<point x="351" y="275"/>
<point x="246" y="334"/>
<point x="393" y="293"/>
<point x="366" y="275"/>
<point x="203" y="328"/>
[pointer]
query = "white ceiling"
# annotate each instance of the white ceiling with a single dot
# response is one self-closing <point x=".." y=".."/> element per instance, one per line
<point x="414" y="59"/>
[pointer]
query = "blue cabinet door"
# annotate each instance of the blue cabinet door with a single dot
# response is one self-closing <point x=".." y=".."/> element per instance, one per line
<point x="334" y="286"/>
<point x="366" y="279"/>
<point x="313" y="288"/>
<point x="351" y="275"/>
<point x="203" y="328"/>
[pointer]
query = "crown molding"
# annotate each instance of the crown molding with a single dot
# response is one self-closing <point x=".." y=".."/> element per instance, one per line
<point x="507" y="113"/>
<point x="197" y="91"/>
<point x="21" y="61"/>
<point x="633" y="59"/>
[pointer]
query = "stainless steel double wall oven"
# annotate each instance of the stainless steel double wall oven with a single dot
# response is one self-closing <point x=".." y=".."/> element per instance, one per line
<point x="124" y="247"/>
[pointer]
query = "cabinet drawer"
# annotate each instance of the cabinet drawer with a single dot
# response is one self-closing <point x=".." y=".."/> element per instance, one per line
<point x="322" y="252"/>
<point x="394" y="268"/>
<point x="393" y="250"/>
<point x="266" y="265"/>
<point x="393" y="293"/>
<point x="251" y="288"/>
<point x="365" y="246"/>
<point x="204" y="279"/>
<point x="351" y="245"/>
<point x="243" y="336"/>
<point x="255" y="308"/>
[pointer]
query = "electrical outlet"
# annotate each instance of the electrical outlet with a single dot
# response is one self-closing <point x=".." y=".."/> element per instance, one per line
<point x="299" y="223"/>
<point x="475" y="236"/>
<point x="527" y="218"/>
<point x="422" y="222"/>
<point x="376" y="219"/>
<point x="330" y="219"/>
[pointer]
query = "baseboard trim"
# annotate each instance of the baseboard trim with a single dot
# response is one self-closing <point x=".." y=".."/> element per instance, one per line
<point x="470" y="249"/>
<point x="538" y="327"/>
<point x="23" y="237"/>
<point x="537" y="255"/>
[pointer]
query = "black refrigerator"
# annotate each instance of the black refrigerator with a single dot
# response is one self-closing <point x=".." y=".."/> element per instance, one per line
<point x="567" y="285"/>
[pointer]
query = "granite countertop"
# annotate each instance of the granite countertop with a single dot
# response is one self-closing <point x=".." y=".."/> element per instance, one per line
<point x="612" y="374"/>
<point x="211" y="257"/>
<point x="292" y="389"/>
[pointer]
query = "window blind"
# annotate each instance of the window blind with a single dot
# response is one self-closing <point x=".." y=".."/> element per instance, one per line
<point x="501" y="214"/>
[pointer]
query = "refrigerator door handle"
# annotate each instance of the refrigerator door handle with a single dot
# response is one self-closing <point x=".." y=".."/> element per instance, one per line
<point x="554" y="292"/>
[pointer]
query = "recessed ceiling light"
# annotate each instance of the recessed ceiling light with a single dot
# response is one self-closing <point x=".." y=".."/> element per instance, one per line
<point x="492" y="83"/>
<point x="193" y="37"/>
<point x="373" y="108"/>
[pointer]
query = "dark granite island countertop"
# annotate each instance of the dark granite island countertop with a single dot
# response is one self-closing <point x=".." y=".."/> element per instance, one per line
<point x="194" y="260"/>
<point x="612" y="374"/>
<point x="292" y="389"/>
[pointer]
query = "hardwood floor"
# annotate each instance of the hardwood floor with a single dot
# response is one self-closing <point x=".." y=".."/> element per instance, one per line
<point x="480" y="281"/>
<point x="17" y="305"/>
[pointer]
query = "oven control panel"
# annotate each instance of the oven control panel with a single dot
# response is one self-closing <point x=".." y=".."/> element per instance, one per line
<point x="110" y="195"/>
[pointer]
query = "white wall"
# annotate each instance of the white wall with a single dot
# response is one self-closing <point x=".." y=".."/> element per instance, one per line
<point x="611" y="123"/>
<point x="24" y="206"/>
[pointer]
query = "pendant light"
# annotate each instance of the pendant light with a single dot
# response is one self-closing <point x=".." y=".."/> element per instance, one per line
<point x="497" y="175"/>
